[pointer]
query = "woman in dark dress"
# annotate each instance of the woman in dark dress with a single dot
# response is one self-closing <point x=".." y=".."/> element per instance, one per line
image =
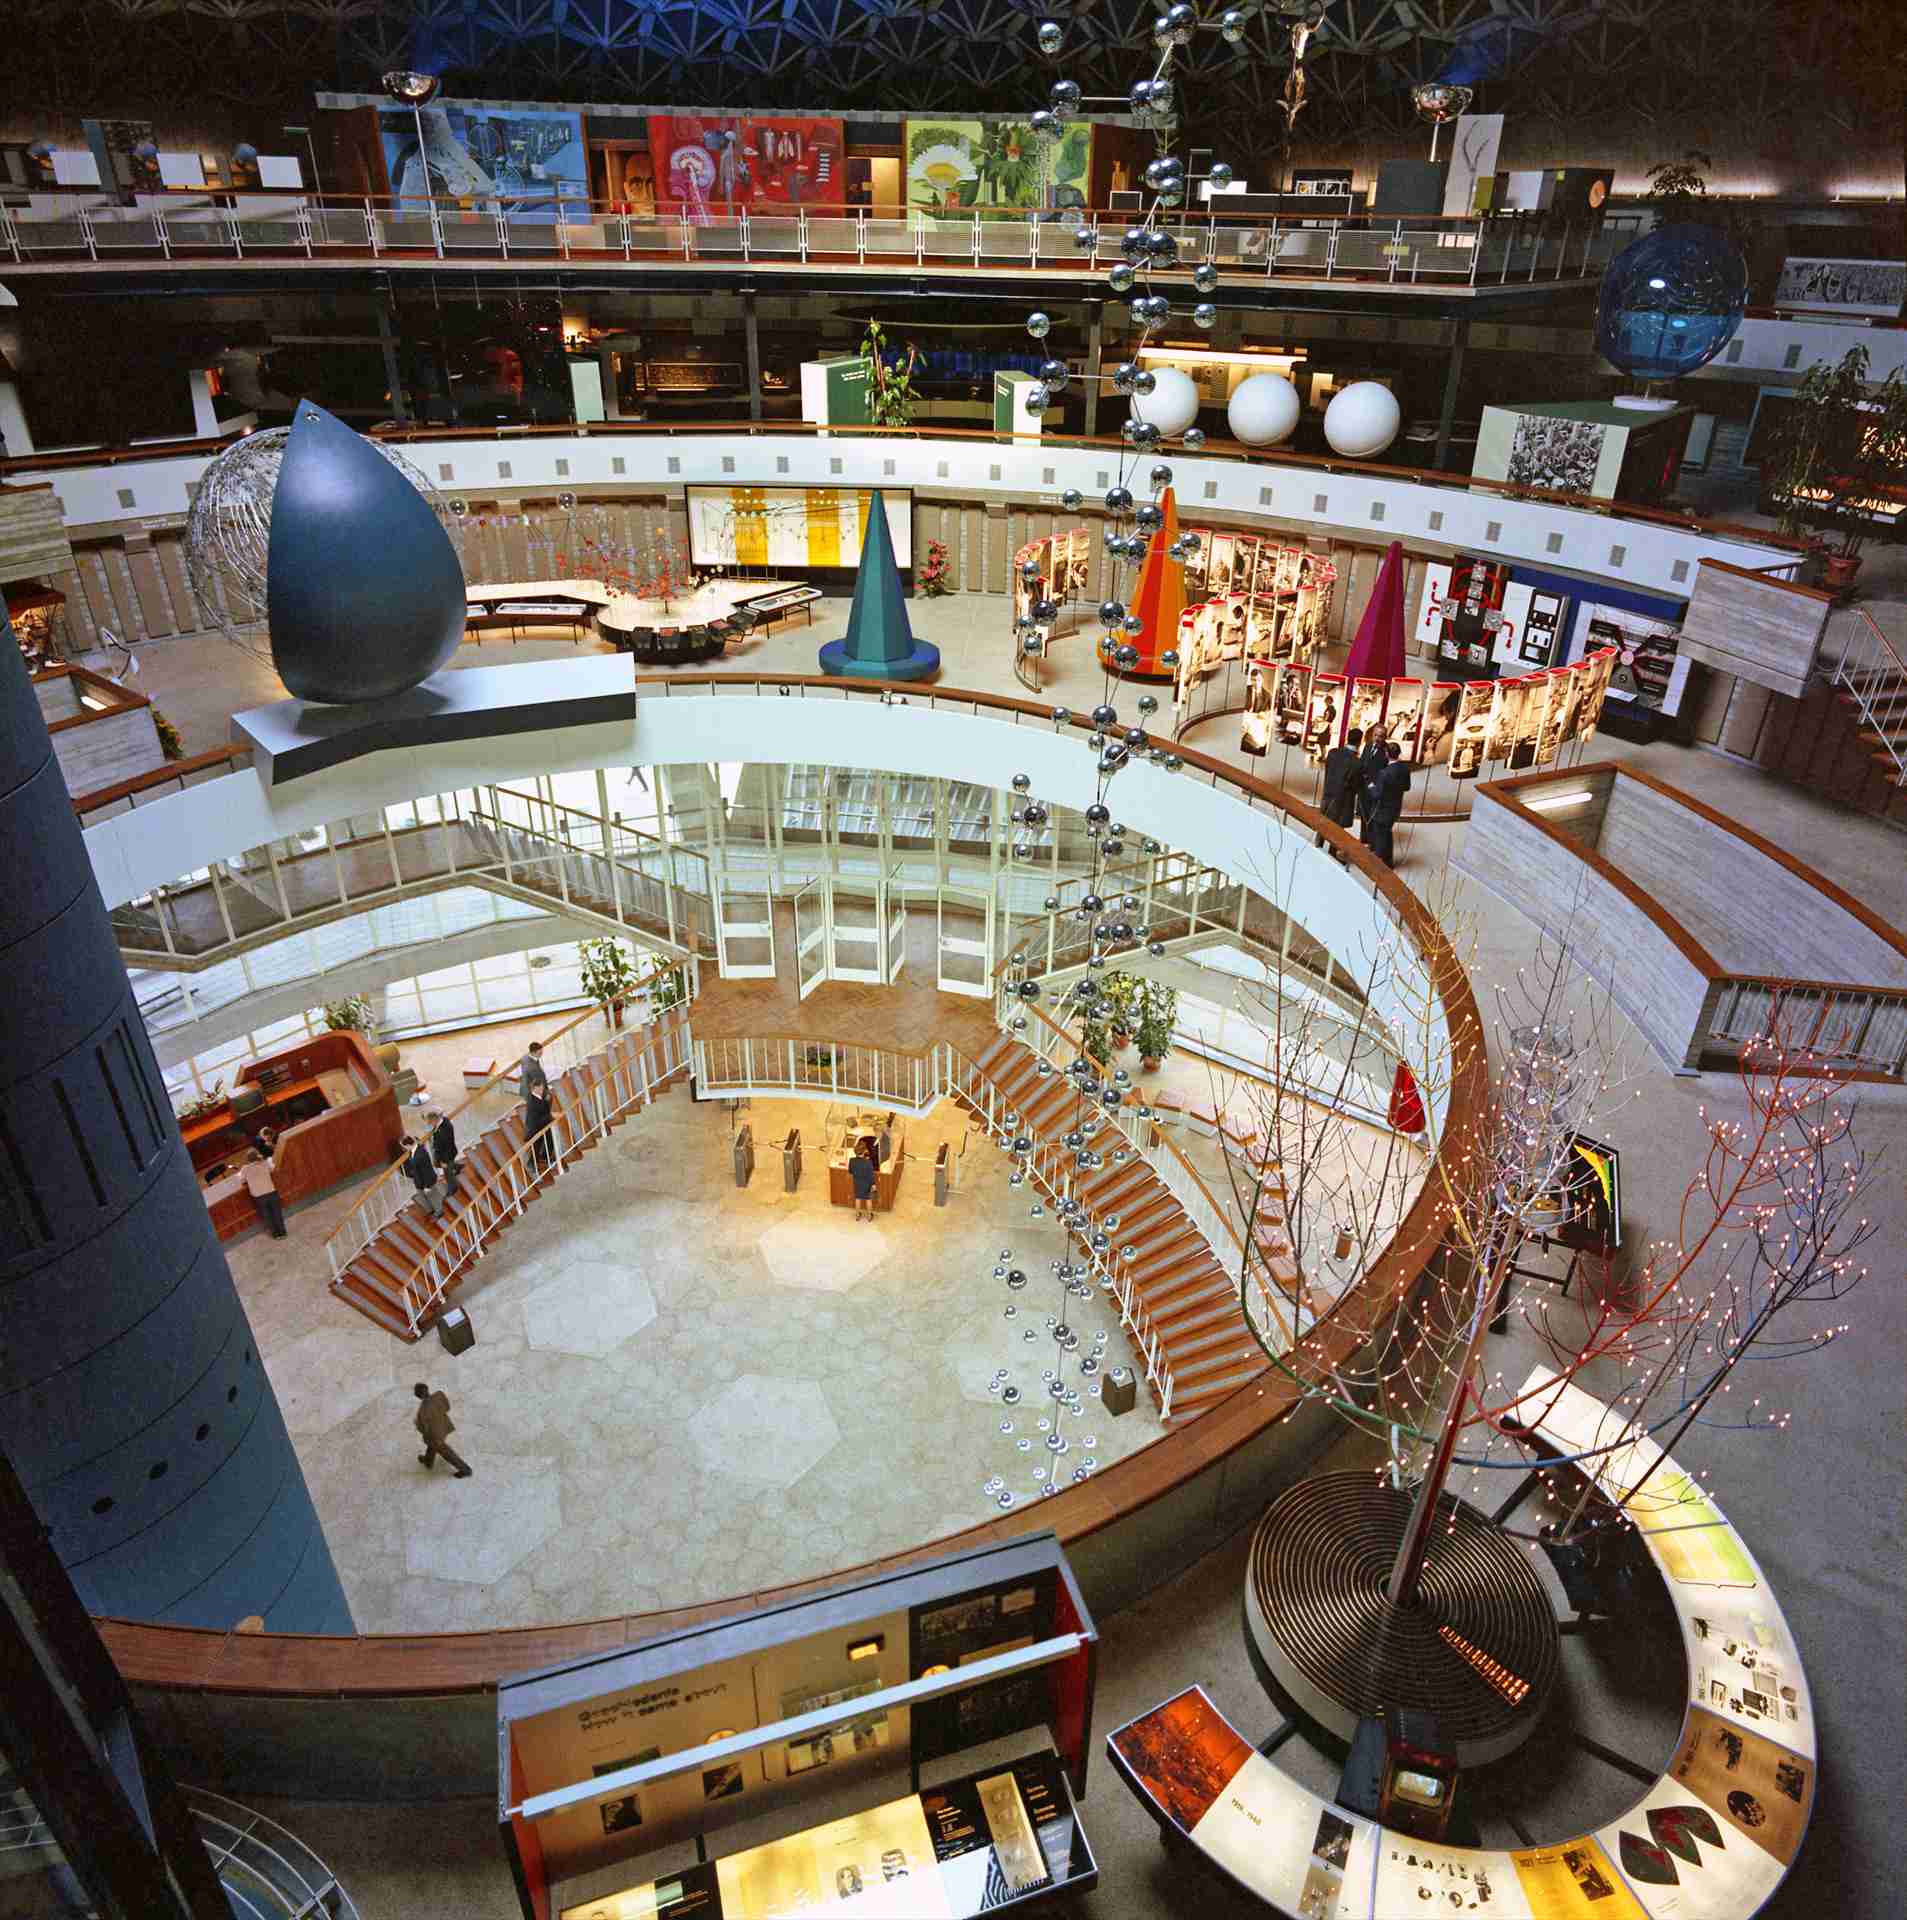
<point x="863" y="1172"/>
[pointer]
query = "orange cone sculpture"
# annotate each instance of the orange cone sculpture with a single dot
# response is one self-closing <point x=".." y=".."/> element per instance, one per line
<point x="1159" y="602"/>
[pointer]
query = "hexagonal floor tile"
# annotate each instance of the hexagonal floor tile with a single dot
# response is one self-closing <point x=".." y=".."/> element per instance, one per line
<point x="824" y="1255"/>
<point x="765" y="1429"/>
<point x="476" y="1530"/>
<point x="323" y="1378"/>
<point x="591" y="1308"/>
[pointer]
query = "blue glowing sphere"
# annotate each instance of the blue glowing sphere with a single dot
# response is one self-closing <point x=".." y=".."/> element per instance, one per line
<point x="1671" y="301"/>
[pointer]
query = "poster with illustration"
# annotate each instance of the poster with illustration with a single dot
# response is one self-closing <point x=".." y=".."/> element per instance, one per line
<point x="721" y="163"/>
<point x="954" y="166"/>
<point x="1232" y="634"/>
<point x="527" y="162"/>
<point x="1648" y="672"/>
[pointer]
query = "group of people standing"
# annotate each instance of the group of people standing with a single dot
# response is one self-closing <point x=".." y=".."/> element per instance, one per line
<point x="427" y="1157"/>
<point x="1366" y="784"/>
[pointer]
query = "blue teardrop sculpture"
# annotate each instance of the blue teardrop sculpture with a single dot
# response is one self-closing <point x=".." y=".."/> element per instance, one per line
<point x="364" y="592"/>
<point x="1671" y="301"/>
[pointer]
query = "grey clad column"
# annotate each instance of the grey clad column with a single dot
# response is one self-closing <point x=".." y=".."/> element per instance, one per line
<point x="132" y="1399"/>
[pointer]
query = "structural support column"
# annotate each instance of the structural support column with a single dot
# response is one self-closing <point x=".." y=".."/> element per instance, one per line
<point x="1094" y="348"/>
<point x="133" y="1402"/>
<point x="387" y="342"/>
<point x="1453" y="379"/>
<point x="751" y="340"/>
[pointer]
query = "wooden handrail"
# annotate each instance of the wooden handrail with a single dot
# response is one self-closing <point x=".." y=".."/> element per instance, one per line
<point x="802" y="429"/>
<point x="158" y="777"/>
<point x="282" y="1666"/>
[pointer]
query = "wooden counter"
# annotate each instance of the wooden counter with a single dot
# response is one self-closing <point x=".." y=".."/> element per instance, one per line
<point x="840" y="1182"/>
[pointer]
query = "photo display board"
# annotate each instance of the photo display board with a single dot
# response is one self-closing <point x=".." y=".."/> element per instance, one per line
<point x="792" y="527"/>
<point x="974" y="1845"/>
<point x="1648" y="672"/>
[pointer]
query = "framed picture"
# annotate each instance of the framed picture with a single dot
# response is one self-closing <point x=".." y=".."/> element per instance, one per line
<point x="1512" y="701"/>
<point x="1367" y="706"/>
<point x="1559" y="721"/>
<point x="1257" y="728"/>
<point x="1472" y="737"/>
<point x="1290" y="703"/>
<point x="1404" y="717"/>
<point x="1324" y="717"/>
<point x="1443" y="702"/>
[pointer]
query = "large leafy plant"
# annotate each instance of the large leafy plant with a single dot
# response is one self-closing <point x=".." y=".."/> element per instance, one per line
<point x="891" y="398"/>
<point x="1840" y="449"/>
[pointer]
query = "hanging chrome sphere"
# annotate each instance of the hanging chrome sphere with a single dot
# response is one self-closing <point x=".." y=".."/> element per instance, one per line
<point x="1039" y="324"/>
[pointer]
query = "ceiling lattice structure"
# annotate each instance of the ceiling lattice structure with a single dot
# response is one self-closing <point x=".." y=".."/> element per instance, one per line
<point x="1600" y="66"/>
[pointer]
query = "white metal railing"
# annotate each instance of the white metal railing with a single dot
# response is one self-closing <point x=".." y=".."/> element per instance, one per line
<point x="617" y="1080"/>
<point x="807" y="1067"/>
<point x="266" y="1871"/>
<point x="1470" y="249"/>
<point x="1874" y="676"/>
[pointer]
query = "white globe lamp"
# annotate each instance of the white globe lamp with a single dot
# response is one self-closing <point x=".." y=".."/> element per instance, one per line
<point x="1263" y="410"/>
<point x="1171" y="406"/>
<point x="1362" y="420"/>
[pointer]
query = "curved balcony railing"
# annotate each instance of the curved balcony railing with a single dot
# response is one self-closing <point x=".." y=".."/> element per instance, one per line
<point x="1411" y="250"/>
<point x="267" y="1872"/>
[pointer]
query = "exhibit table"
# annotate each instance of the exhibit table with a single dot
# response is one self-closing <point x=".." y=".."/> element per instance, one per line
<point x="1711" y="1840"/>
<point x="518" y="603"/>
<point x="685" y="626"/>
<point x="848" y="1136"/>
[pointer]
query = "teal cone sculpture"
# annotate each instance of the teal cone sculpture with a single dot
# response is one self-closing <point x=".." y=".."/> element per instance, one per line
<point x="879" y="643"/>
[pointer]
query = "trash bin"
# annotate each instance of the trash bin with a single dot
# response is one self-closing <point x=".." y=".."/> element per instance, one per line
<point x="1120" y="1391"/>
<point x="454" y="1331"/>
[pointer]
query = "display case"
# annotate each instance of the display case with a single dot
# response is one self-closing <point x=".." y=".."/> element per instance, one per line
<point x="913" y="1744"/>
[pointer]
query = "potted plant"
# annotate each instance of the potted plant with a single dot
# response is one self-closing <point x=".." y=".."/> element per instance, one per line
<point x="1158" y="1013"/>
<point x="353" y="1014"/>
<point x="932" y="579"/>
<point x="1838" y="459"/>
<point x="671" y="988"/>
<point x="201" y="1108"/>
<point x="1119" y="995"/>
<point x="609" y="974"/>
<point x="891" y="398"/>
<point x="1095" y="1041"/>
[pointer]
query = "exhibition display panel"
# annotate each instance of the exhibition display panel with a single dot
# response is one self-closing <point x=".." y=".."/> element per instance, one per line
<point x="1711" y="1840"/>
<point x="820" y="1701"/>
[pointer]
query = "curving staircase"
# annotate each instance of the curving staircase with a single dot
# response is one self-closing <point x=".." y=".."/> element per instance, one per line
<point x="403" y="1275"/>
<point x="1182" y="1293"/>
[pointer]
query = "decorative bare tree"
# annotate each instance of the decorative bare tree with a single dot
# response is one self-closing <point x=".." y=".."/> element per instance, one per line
<point x="1769" y="1222"/>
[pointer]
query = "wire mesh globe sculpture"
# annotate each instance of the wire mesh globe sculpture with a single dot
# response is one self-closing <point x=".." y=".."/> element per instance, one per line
<point x="229" y="553"/>
<point x="1671" y="301"/>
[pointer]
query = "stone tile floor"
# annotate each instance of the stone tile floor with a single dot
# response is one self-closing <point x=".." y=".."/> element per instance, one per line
<point x="681" y="1390"/>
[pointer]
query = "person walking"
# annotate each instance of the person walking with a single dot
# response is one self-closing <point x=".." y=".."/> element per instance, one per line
<point x="533" y="1089"/>
<point x="435" y="1426"/>
<point x="443" y="1149"/>
<point x="1370" y="764"/>
<point x="1343" y="784"/>
<point x="1388" y="807"/>
<point x="421" y="1170"/>
<point x="863" y="1172"/>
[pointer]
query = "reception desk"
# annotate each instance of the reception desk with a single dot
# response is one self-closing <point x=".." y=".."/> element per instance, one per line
<point x="847" y="1137"/>
<point x="333" y="1108"/>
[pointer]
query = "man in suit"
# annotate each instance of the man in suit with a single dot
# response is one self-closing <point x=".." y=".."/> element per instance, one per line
<point x="533" y="1089"/>
<point x="1387" y="805"/>
<point x="1343" y="782"/>
<point x="435" y="1426"/>
<point x="443" y="1149"/>
<point x="1370" y="765"/>
<point x="422" y="1173"/>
